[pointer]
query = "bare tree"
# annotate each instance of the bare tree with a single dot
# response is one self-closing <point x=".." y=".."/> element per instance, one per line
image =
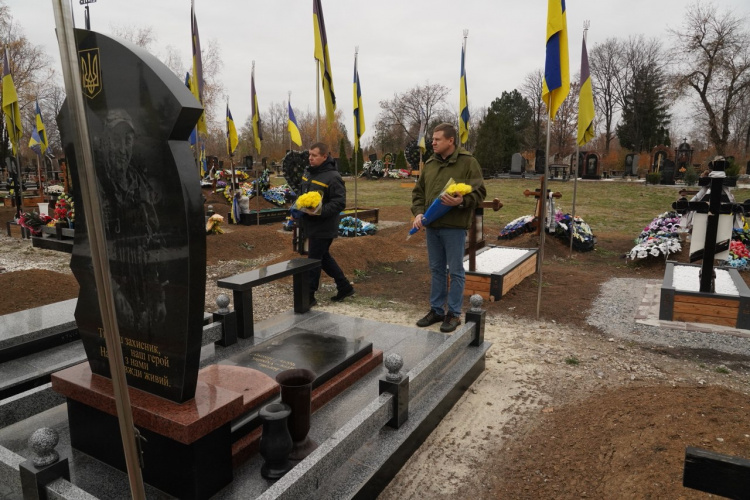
<point x="606" y="68"/>
<point x="142" y="36"/>
<point x="33" y="78"/>
<point x="404" y="109"/>
<point x="713" y="53"/>
<point x="563" y="129"/>
<point x="531" y="90"/>
<point x="172" y="60"/>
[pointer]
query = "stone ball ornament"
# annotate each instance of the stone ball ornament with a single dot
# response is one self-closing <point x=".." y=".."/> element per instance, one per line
<point x="393" y="362"/>
<point x="222" y="301"/>
<point x="476" y="302"/>
<point x="43" y="442"/>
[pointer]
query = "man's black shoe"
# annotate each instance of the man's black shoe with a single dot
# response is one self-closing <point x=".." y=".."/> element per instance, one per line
<point x="430" y="319"/>
<point x="342" y="295"/>
<point x="451" y="323"/>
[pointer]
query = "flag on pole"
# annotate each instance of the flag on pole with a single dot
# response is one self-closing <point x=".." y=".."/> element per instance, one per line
<point x="38" y="142"/>
<point x="202" y="159"/>
<point x="235" y="214"/>
<point x="257" y="131"/>
<point x="324" y="60"/>
<point x="194" y="134"/>
<point x="585" y="101"/>
<point x="556" y="85"/>
<point x="463" y="119"/>
<point x="359" y="112"/>
<point x="293" y="127"/>
<point x="422" y="127"/>
<point x="196" y="83"/>
<point x="10" y="106"/>
<point x="232" y="139"/>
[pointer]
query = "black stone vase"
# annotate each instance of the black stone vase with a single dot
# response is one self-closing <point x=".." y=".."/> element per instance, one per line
<point x="275" y="442"/>
<point x="296" y="391"/>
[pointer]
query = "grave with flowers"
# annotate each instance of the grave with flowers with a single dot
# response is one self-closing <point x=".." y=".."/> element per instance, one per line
<point x="704" y="293"/>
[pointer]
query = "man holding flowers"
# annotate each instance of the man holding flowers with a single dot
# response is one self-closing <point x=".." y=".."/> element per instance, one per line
<point x="446" y="236"/>
<point x="320" y="223"/>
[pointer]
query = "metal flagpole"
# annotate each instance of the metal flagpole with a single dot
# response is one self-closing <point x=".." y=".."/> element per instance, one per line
<point x="575" y="179"/>
<point x="317" y="100"/>
<point x="97" y="242"/>
<point x="289" y="106"/>
<point x="359" y="146"/>
<point x="466" y="36"/>
<point x="543" y="209"/>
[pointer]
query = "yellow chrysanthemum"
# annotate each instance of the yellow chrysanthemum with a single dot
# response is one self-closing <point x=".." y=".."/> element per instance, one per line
<point x="458" y="188"/>
<point x="309" y="200"/>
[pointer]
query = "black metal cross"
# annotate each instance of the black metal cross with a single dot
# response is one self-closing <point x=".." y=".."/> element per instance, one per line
<point x="714" y="208"/>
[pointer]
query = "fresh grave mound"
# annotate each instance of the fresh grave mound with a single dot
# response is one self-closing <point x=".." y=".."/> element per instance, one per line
<point x="629" y="441"/>
<point x="34" y="288"/>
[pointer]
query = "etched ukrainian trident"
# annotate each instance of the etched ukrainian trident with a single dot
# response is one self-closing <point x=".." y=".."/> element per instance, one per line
<point x="91" y="75"/>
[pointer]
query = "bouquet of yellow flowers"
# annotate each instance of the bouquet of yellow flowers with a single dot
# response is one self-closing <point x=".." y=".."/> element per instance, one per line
<point x="309" y="203"/>
<point x="213" y="226"/>
<point x="437" y="209"/>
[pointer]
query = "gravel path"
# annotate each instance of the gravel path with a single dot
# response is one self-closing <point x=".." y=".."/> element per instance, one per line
<point x="614" y="310"/>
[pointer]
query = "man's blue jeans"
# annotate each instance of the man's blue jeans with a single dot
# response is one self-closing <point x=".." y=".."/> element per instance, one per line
<point x="445" y="249"/>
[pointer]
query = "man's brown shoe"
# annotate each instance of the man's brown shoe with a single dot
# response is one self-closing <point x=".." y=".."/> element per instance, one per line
<point x="451" y="323"/>
<point x="430" y="319"/>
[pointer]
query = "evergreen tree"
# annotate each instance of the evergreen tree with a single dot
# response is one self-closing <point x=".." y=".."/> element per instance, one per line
<point x="343" y="161"/>
<point x="502" y="132"/>
<point x="401" y="161"/>
<point x="645" y="115"/>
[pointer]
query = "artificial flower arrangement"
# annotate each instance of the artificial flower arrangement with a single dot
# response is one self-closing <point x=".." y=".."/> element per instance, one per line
<point x="213" y="225"/>
<point x="279" y="195"/>
<point x="583" y="238"/>
<point x="517" y="227"/>
<point x="437" y="209"/>
<point x="309" y="203"/>
<point x="660" y="237"/>
<point x="65" y="209"/>
<point x="54" y="190"/>
<point x="349" y="226"/>
<point x="220" y="186"/>
<point x="34" y="221"/>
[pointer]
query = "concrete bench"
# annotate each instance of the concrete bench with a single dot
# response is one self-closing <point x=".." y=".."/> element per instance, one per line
<point x="242" y="288"/>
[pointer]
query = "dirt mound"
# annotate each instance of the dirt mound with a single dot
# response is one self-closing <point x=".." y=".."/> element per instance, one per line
<point x="34" y="288"/>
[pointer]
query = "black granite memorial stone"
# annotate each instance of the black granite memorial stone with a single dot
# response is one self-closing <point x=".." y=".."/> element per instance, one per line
<point x="668" y="172"/>
<point x="139" y="117"/>
<point x="323" y="353"/>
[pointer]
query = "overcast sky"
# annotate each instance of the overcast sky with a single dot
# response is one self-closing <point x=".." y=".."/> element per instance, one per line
<point x="401" y="43"/>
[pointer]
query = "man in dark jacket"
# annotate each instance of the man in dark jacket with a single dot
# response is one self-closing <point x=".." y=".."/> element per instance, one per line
<point x="320" y="230"/>
<point x="446" y="237"/>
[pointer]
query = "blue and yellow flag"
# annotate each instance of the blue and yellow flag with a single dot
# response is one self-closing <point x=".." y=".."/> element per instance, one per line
<point x="324" y="60"/>
<point x="293" y="127"/>
<point x="10" y="106"/>
<point x="38" y="141"/>
<point x="196" y="82"/>
<point x="232" y="139"/>
<point x="556" y="84"/>
<point x="194" y="134"/>
<point x="202" y="159"/>
<point x="585" y="101"/>
<point x="422" y="127"/>
<point x="359" y="112"/>
<point x="463" y="118"/>
<point x="257" y="130"/>
<point x="235" y="213"/>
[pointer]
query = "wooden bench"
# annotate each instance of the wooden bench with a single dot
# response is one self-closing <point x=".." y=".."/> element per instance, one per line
<point x="242" y="288"/>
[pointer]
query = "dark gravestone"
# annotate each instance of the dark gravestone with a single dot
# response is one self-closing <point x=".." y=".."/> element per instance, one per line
<point x="591" y="166"/>
<point x="324" y="354"/>
<point x="631" y="164"/>
<point x="139" y="117"/>
<point x="668" y="172"/>
<point x="540" y="162"/>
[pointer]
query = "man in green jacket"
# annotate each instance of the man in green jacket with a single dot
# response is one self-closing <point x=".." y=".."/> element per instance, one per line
<point x="446" y="237"/>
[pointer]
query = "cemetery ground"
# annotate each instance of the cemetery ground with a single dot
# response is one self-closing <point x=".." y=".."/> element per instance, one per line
<point x="564" y="409"/>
